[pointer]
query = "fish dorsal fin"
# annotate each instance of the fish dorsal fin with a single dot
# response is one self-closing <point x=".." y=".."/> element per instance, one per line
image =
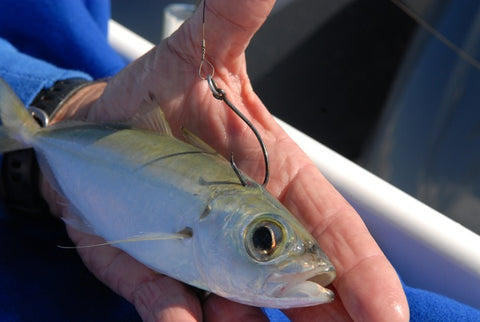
<point x="182" y="234"/>
<point x="197" y="142"/>
<point x="150" y="116"/>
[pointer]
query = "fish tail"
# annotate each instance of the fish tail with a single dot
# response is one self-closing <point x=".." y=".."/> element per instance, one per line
<point x="18" y="125"/>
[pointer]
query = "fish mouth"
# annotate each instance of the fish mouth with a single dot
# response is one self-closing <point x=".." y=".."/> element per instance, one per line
<point x="305" y="288"/>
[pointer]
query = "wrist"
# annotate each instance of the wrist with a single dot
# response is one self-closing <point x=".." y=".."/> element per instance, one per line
<point x="79" y="103"/>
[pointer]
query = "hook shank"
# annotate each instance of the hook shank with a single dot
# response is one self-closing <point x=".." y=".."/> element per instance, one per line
<point x="220" y="94"/>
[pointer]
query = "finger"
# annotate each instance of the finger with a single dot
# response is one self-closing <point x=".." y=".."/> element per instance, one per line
<point x="122" y="273"/>
<point x="170" y="71"/>
<point x="217" y="309"/>
<point x="366" y="282"/>
<point x="333" y="311"/>
<point x="156" y="297"/>
<point x="233" y="24"/>
<point x="164" y="299"/>
<point x="229" y="26"/>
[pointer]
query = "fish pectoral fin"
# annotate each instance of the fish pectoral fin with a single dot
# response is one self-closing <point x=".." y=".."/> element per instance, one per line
<point x="197" y="142"/>
<point x="182" y="234"/>
<point x="74" y="219"/>
<point x="150" y="116"/>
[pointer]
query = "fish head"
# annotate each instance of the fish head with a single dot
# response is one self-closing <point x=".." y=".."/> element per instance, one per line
<point x="259" y="254"/>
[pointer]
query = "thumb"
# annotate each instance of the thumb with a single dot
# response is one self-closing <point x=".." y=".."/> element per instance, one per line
<point x="229" y="26"/>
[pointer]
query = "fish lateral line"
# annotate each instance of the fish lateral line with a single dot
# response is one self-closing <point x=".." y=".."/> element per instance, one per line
<point x="177" y="154"/>
<point x="185" y="233"/>
<point x="204" y="182"/>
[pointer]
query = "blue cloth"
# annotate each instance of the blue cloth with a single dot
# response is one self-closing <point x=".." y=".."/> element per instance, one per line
<point x="49" y="40"/>
<point x="27" y="75"/>
<point x="424" y="306"/>
<point x="70" y="34"/>
<point x="428" y="306"/>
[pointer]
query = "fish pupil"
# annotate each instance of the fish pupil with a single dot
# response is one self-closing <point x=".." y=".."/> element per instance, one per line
<point x="263" y="239"/>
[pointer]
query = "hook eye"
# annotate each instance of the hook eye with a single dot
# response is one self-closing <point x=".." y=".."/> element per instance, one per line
<point x="218" y="93"/>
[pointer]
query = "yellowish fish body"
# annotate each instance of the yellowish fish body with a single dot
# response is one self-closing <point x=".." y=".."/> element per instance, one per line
<point x="178" y="208"/>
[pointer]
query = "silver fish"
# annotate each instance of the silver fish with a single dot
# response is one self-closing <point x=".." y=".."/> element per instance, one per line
<point x="176" y="207"/>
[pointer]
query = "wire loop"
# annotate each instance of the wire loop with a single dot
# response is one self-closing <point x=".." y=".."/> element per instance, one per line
<point x="201" y="73"/>
<point x="217" y="92"/>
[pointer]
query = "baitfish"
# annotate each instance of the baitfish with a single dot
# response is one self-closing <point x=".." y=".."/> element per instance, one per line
<point x="178" y="208"/>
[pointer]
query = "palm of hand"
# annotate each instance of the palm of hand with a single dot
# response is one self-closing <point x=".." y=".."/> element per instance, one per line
<point x="366" y="285"/>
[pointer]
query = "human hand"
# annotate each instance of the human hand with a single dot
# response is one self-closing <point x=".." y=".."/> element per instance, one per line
<point x="366" y="287"/>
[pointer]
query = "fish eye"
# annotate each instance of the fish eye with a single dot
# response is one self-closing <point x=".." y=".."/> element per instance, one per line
<point x="263" y="238"/>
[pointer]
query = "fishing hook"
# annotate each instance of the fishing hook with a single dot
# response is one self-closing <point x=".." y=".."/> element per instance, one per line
<point x="220" y="94"/>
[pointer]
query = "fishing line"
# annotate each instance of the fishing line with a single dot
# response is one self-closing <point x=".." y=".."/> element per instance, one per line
<point x="220" y="94"/>
<point x="459" y="51"/>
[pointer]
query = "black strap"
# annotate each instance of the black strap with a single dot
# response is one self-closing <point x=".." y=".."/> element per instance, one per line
<point x="20" y="174"/>
<point x="50" y="100"/>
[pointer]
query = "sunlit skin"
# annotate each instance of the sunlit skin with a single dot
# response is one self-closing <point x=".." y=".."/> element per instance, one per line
<point x="367" y="287"/>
